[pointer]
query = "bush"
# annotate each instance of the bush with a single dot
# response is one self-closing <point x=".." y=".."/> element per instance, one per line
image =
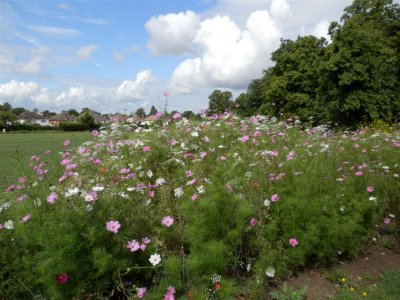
<point x="73" y="126"/>
<point x="210" y="209"/>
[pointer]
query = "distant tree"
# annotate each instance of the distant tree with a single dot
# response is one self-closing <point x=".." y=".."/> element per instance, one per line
<point x="36" y="110"/>
<point x="87" y="119"/>
<point x="6" y="117"/>
<point x="48" y="114"/>
<point x="153" y="110"/>
<point x="220" y="101"/>
<point x="73" y="112"/>
<point x="188" y="114"/>
<point x="140" y="112"/>
<point x="6" y="106"/>
<point x="18" y="110"/>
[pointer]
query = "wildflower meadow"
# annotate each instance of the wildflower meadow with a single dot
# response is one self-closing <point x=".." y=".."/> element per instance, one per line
<point x="218" y="208"/>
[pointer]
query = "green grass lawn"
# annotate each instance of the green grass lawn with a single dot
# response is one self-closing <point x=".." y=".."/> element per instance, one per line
<point x="17" y="148"/>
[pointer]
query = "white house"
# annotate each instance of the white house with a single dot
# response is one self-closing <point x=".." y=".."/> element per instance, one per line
<point x="30" y="117"/>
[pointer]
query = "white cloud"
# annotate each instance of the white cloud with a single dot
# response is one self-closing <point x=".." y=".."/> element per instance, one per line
<point x="231" y="57"/>
<point x="85" y="52"/>
<point x="321" y="30"/>
<point x="64" y="6"/>
<point x="280" y="10"/>
<point x="33" y="66"/>
<point x="18" y="92"/>
<point x="119" y="57"/>
<point x="138" y="89"/>
<point x="55" y="31"/>
<point x="172" y="33"/>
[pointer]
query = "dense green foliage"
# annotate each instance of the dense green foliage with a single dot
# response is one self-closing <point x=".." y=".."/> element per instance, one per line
<point x="251" y="200"/>
<point x="355" y="78"/>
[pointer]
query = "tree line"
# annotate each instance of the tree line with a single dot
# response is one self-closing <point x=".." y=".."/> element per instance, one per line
<point x="353" y="78"/>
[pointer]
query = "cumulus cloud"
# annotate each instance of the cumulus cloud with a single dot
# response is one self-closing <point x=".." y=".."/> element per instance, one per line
<point x="172" y="33"/>
<point x="86" y="52"/>
<point x="27" y="94"/>
<point x="138" y="89"/>
<point x="55" y="31"/>
<point x="321" y="30"/>
<point x="280" y="10"/>
<point x="231" y="57"/>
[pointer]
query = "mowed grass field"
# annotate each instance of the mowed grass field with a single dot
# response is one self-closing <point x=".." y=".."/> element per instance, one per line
<point x="16" y="150"/>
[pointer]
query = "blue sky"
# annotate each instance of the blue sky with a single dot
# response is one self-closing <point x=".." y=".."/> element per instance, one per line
<point x="117" y="55"/>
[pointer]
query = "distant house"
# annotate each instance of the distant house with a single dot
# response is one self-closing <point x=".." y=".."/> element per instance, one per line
<point x="98" y="118"/>
<point x="30" y="117"/>
<point x="134" y="119"/>
<point x="63" y="117"/>
<point x="150" y="118"/>
<point x="117" y="118"/>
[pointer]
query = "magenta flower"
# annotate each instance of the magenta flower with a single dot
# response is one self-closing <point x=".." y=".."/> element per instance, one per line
<point x="146" y="240"/>
<point x="386" y="220"/>
<point x="62" y="278"/>
<point x="176" y="116"/>
<point x="141" y="292"/>
<point x="158" y="115"/>
<point x="113" y="226"/>
<point x="194" y="197"/>
<point x="274" y="197"/>
<point x="358" y="173"/>
<point x="293" y="242"/>
<point x="167" y="221"/>
<point x="170" y="294"/>
<point x="133" y="245"/>
<point x="67" y="142"/>
<point x="26" y="218"/>
<point x="94" y="132"/>
<point x="370" y="189"/>
<point x="52" y="197"/>
<point x="253" y="222"/>
<point x="146" y="149"/>
<point x="222" y="158"/>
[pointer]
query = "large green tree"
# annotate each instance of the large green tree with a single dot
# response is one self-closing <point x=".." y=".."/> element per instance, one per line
<point x="290" y="87"/>
<point x="219" y="101"/>
<point x="141" y="112"/>
<point x="361" y="69"/>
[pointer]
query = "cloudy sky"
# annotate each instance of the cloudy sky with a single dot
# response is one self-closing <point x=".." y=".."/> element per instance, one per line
<point x="112" y="55"/>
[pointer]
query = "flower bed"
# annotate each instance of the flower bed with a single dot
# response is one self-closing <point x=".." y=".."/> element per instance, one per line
<point x="208" y="209"/>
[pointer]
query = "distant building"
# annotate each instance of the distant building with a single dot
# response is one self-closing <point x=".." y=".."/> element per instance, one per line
<point x="151" y="118"/>
<point x="63" y="117"/>
<point x="117" y="118"/>
<point x="30" y="117"/>
<point x="134" y="119"/>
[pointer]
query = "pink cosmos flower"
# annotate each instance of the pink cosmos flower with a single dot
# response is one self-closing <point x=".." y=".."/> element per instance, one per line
<point x="158" y="115"/>
<point x="67" y="142"/>
<point x="194" y="197"/>
<point x="358" y="173"/>
<point x="62" y="278"/>
<point x="133" y="245"/>
<point x="52" y="197"/>
<point x="113" y="226"/>
<point x="275" y="197"/>
<point x="253" y="222"/>
<point x="172" y="142"/>
<point x="170" y="294"/>
<point x="146" y="149"/>
<point x="222" y="158"/>
<point x="293" y="242"/>
<point x="203" y="154"/>
<point x="370" y="189"/>
<point x="386" y="220"/>
<point x="244" y="138"/>
<point x="167" y="221"/>
<point x="94" y="132"/>
<point x="26" y="218"/>
<point x="176" y="116"/>
<point x="146" y="240"/>
<point x="141" y="292"/>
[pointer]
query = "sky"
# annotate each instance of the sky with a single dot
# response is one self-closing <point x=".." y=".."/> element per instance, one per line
<point x="120" y="55"/>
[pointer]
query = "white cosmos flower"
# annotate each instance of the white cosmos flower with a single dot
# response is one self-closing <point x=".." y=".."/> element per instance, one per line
<point x="155" y="259"/>
<point x="267" y="202"/>
<point x="9" y="224"/>
<point x="71" y="192"/>
<point x="270" y="272"/>
<point x="97" y="188"/>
